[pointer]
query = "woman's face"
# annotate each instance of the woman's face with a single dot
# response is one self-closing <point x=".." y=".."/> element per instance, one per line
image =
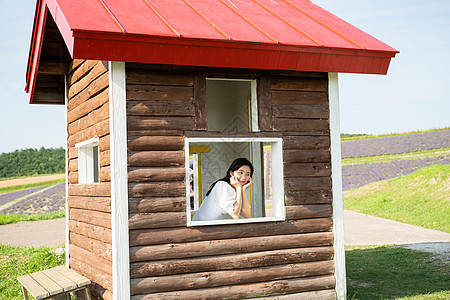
<point x="242" y="174"/>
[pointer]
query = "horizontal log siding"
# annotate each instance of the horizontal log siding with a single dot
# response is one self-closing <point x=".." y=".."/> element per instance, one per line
<point x="90" y="204"/>
<point x="171" y="261"/>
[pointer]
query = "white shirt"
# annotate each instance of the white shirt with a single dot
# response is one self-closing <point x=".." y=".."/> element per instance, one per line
<point x="218" y="204"/>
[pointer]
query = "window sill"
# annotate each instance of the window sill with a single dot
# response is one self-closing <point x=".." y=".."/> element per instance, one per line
<point x="233" y="221"/>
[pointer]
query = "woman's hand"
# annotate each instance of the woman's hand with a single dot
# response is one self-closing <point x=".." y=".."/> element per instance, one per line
<point x="249" y="183"/>
<point x="235" y="182"/>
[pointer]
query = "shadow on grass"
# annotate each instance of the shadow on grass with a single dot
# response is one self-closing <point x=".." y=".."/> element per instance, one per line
<point x="393" y="272"/>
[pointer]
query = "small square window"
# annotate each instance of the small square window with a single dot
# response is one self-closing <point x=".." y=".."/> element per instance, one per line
<point x="88" y="161"/>
<point x="208" y="160"/>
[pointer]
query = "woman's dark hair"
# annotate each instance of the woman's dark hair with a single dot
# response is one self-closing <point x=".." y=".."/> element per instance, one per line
<point x="235" y="165"/>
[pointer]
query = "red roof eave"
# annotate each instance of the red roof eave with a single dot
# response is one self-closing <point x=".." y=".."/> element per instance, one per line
<point x="346" y="52"/>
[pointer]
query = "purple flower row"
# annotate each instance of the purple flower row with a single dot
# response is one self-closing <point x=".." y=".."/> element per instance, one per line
<point x="396" y="144"/>
<point x="48" y="200"/>
<point x="4" y="198"/>
<point x="357" y="175"/>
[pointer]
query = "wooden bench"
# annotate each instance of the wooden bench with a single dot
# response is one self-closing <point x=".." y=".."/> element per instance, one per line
<point x="54" y="283"/>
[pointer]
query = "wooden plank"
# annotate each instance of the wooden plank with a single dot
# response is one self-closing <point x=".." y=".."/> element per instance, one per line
<point x="316" y="295"/>
<point x="282" y="124"/>
<point x="307" y="169"/>
<point x="264" y="99"/>
<point x="99" y="69"/>
<point x="52" y="67"/>
<point x="93" y="117"/>
<point x="97" y="130"/>
<point x="160" y="132"/>
<point x="84" y="67"/>
<point x="102" y="189"/>
<point x="160" y="108"/>
<point x="91" y="217"/>
<point x="306" y="111"/>
<point x="230" y="262"/>
<point x="92" y="259"/>
<point x="142" y="174"/>
<point x="105" y="158"/>
<point x="309" y="211"/>
<point x="88" y="106"/>
<point x="156" y="159"/>
<point x="158" y="77"/>
<point x="150" y="205"/>
<point x="307" y="183"/>
<point x="156" y="220"/>
<point x="159" y="92"/>
<point x="65" y="283"/>
<point x="296" y="97"/>
<point x="303" y="74"/>
<point x="103" y="250"/>
<point x="96" y="275"/>
<point x="74" y="276"/>
<point x="95" y="87"/>
<point x="153" y="143"/>
<point x="95" y="232"/>
<point x="158" y="123"/>
<point x="104" y="143"/>
<point x="306" y="142"/>
<point x="206" y="233"/>
<point x="213" y="134"/>
<point x="261" y="289"/>
<point x="308" y="84"/>
<point x="75" y="64"/>
<point x="47" y="283"/>
<point x="229" y="278"/>
<point x="306" y="156"/>
<point x="105" y="174"/>
<point x="157" y="189"/>
<point x="33" y="287"/>
<point x="201" y="115"/>
<point x="229" y="246"/>
<point x="308" y="197"/>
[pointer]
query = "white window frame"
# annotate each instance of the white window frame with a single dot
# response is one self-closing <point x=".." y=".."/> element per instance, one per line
<point x="86" y="159"/>
<point x="279" y="213"/>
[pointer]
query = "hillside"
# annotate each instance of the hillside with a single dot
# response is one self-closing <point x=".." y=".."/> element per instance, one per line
<point x="29" y="162"/>
<point x="421" y="198"/>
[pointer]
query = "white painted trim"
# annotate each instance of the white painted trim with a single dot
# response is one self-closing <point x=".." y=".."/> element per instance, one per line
<point x="119" y="181"/>
<point x="87" y="143"/>
<point x="66" y="133"/>
<point x="277" y="181"/>
<point x="336" y="177"/>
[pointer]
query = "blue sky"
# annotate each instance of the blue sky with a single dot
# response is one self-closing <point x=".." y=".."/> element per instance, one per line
<point x="415" y="95"/>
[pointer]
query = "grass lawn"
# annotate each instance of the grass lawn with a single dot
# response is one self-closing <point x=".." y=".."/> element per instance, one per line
<point x="421" y="198"/>
<point x="18" y="261"/>
<point x="395" y="273"/>
<point x="10" y="189"/>
<point x="9" y="219"/>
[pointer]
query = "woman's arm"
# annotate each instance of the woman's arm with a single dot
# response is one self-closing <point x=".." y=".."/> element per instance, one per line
<point x="245" y="211"/>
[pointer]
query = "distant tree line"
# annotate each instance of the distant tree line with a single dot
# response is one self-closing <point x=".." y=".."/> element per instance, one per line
<point x="28" y="162"/>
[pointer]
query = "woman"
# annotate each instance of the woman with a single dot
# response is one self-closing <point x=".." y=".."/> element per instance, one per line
<point x="227" y="198"/>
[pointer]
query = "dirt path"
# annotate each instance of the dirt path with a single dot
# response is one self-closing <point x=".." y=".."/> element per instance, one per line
<point x="30" y="180"/>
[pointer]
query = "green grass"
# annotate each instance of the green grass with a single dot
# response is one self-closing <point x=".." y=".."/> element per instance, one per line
<point x="445" y="152"/>
<point x="348" y="137"/>
<point x="18" y="261"/>
<point x="14" y="188"/>
<point x="395" y="273"/>
<point x="421" y="198"/>
<point x="9" y="219"/>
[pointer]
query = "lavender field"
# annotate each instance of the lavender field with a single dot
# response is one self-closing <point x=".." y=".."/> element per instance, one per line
<point x="396" y="144"/>
<point x="355" y="175"/>
<point x="45" y="200"/>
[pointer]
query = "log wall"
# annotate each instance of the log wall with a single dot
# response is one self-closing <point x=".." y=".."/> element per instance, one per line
<point x="90" y="251"/>
<point x="171" y="261"/>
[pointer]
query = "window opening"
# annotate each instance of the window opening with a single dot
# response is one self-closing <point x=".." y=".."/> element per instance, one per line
<point x="88" y="161"/>
<point x="266" y="195"/>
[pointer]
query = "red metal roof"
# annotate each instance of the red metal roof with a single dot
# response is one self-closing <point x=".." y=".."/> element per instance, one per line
<point x="260" y="34"/>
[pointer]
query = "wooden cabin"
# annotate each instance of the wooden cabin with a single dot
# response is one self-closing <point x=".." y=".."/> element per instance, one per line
<point x="159" y="94"/>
